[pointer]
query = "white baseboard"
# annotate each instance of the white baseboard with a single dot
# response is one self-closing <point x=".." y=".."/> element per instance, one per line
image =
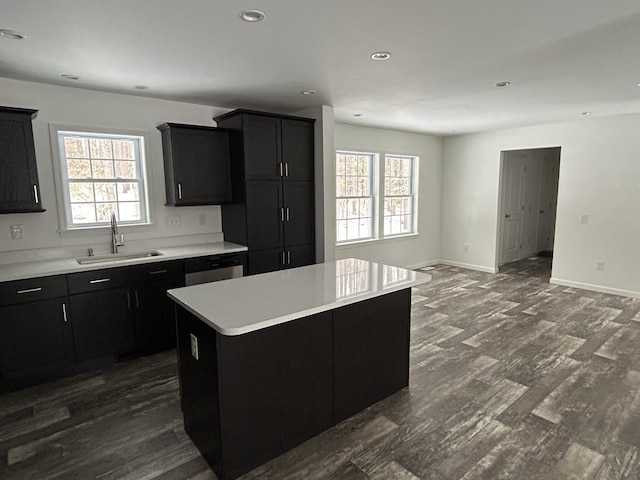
<point x="430" y="263"/>
<point x="470" y="266"/>
<point x="594" y="288"/>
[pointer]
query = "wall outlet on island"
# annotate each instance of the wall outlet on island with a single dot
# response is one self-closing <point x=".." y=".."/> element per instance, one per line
<point x="16" y="232"/>
<point x="194" y="347"/>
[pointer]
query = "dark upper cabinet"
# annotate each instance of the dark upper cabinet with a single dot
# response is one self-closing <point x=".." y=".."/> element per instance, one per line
<point x="274" y="182"/>
<point x="297" y="149"/>
<point x="197" y="164"/>
<point x="19" y="187"/>
<point x="261" y="145"/>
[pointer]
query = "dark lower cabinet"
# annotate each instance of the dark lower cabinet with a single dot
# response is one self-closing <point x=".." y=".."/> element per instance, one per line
<point x="154" y="322"/>
<point x="124" y="310"/>
<point x="35" y="342"/>
<point x="102" y="323"/>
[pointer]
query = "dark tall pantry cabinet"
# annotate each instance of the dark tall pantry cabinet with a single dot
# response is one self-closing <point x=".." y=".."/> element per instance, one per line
<point x="273" y="209"/>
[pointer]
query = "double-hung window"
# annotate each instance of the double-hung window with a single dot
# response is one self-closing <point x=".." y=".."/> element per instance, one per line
<point x="354" y="196"/>
<point x="362" y="214"/>
<point x="398" y="195"/>
<point x="101" y="174"/>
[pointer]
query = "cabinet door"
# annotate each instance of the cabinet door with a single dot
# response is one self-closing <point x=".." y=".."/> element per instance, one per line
<point x="35" y="338"/>
<point x="202" y="166"/>
<point x="102" y="323"/>
<point x="18" y="169"/>
<point x="261" y="147"/>
<point x="301" y="255"/>
<point x="263" y="261"/>
<point x="297" y="149"/>
<point x="264" y="215"/>
<point x="299" y="213"/>
<point x="154" y="315"/>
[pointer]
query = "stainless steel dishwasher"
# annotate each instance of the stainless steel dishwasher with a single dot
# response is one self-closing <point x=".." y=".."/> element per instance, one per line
<point x="213" y="268"/>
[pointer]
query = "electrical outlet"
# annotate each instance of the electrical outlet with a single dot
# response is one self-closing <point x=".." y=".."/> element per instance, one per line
<point x="584" y="218"/>
<point x="16" y="232"/>
<point x="202" y="218"/>
<point x="173" y="220"/>
<point x="600" y="265"/>
<point x="195" y="353"/>
<point x="466" y="247"/>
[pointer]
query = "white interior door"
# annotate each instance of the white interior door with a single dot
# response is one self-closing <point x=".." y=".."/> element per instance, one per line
<point x="513" y="171"/>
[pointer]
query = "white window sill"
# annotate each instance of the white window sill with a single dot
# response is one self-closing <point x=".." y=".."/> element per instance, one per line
<point x="373" y="241"/>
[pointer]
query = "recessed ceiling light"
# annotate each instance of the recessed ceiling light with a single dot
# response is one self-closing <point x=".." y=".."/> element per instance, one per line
<point x="381" y="56"/>
<point x="141" y="87"/>
<point x="586" y="113"/>
<point x="502" y="84"/>
<point x="12" y="34"/>
<point x="357" y="114"/>
<point x="252" y="16"/>
<point x="70" y="77"/>
<point x="308" y="92"/>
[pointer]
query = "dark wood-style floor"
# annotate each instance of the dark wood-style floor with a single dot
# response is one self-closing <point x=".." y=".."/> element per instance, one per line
<point x="511" y="378"/>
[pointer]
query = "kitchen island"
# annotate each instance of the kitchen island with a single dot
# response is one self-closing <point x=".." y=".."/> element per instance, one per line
<point x="268" y="361"/>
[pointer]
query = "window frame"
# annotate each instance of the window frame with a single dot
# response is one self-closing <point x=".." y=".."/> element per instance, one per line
<point x="378" y="178"/>
<point x="373" y="160"/>
<point x="412" y="177"/>
<point x="62" y="181"/>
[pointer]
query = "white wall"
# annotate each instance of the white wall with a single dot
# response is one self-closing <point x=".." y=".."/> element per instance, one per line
<point x="90" y="108"/>
<point x="418" y="250"/>
<point x="599" y="172"/>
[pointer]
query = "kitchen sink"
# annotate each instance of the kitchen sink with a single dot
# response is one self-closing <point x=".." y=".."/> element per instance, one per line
<point x="116" y="257"/>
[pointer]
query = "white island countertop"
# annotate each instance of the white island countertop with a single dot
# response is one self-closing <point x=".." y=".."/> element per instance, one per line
<point x="242" y="305"/>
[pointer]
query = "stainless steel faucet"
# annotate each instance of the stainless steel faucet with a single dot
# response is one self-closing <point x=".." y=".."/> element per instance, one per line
<point x="117" y="239"/>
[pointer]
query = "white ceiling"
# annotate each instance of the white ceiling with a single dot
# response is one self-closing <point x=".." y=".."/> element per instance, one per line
<point x="562" y="57"/>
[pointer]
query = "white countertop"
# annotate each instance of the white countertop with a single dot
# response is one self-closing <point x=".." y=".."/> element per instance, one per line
<point x="247" y="304"/>
<point x="43" y="268"/>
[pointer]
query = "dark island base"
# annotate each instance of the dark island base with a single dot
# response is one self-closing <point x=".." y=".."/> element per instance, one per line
<point x="249" y="398"/>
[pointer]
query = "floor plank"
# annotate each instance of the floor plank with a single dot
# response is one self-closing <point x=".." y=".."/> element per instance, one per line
<point x="511" y="378"/>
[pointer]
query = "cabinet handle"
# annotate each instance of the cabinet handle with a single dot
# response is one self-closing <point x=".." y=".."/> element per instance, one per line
<point x="100" y="280"/>
<point x="156" y="272"/>
<point x="286" y="169"/>
<point x="128" y="300"/>
<point x="64" y="312"/>
<point x="287" y="214"/>
<point x="35" y="193"/>
<point x="137" y="299"/>
<point x="30" y="290"/>
<point x="179" y="191"/>
<point x="288" y="257"/>
<point x="282" y="214"/>
<point x="284" y="261"/>
<point x="281" y="174"/>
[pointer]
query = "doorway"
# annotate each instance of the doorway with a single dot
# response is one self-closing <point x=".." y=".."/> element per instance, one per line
<point x="528" y="202"/>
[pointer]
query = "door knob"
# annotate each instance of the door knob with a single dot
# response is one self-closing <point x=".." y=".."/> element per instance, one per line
<point x="507" y="215"/>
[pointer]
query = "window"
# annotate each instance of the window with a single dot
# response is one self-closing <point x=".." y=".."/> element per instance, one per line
<point x="398" y="195"/>
<point x="100" y="174"/>
<point x="354" y="198"/>
<point x="359" y="176"/>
